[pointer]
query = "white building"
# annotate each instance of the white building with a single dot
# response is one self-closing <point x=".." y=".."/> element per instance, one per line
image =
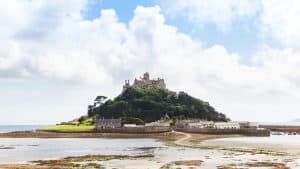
<point x="253" y="125"/>
<point x="184" y="123"/>
<point x="129" y="125"/>
<point x="201" y="124"/>
<point x="227" y="125"/>
<point x="158" y="123"/>
<point x="247" y="124"/>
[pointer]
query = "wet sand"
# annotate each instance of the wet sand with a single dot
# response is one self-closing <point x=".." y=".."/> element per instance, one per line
<point x="182" y="151"/>
<point x="259" y="143"/>
<point x="169" y="137"/>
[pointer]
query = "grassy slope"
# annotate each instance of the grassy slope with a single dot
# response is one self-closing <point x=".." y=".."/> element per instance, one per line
<point x="83" y="123"/>
<point x="68" y="128"/>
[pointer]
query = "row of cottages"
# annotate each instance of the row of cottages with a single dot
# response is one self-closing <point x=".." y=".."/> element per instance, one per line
<point x="194" y="123"/>
<point x="198" y="123"/>
<point x="202" y="124"/>
<point x="227" y="125"/>
<point x="185" y="123"/>
<point x="102" y="123"/>
<point x="158" y="123"/>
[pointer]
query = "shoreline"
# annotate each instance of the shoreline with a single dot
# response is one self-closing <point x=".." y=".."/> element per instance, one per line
<point x="173" y="138"/>
<point x="183" y="142"/>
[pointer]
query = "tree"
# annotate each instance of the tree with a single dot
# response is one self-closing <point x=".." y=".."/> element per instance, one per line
<point x="151" y="104"/>
<point x="99" y="100"/>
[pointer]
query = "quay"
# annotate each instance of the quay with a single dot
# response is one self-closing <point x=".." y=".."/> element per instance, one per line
<point x="282" y="128"/>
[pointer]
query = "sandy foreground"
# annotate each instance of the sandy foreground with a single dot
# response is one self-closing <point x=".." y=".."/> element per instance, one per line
<point x="183" y="150"/>
<point x="292" y="149"/>
<point x="185" y="147"/>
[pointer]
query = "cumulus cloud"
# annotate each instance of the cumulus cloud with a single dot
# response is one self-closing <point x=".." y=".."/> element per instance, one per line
<point x="104" y="50"/>
<point x="280" y="19"/>
<point x="276" y="19"/>
<point x="220" y="13"/>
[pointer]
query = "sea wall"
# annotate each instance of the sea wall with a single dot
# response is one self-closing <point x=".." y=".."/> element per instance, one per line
<point x="281" y="128"/>
<point x="246" y="131"/>
<point x="146" y="129"/>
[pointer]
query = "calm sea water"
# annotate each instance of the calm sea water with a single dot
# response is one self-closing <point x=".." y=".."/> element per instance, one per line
<point x="10" y="128"/>
<point x="28" y="149"/>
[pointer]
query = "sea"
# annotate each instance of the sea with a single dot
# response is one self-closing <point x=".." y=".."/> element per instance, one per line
<point x="12" y="150"/>
<point x="11" y="128"/>
<point x="15" y="150"/>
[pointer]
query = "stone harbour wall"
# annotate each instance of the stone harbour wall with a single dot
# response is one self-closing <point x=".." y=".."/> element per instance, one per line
<point x="246" y="131"/>
<point x="282" y="128"/>
<point x="146" y="129"/>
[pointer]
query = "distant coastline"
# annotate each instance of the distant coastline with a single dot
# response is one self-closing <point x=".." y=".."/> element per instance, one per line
<point x="14" y="128"/>
<point x="291" y="123"/>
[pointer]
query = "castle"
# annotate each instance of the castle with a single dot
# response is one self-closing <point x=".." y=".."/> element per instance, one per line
<point x="145" y="82"/>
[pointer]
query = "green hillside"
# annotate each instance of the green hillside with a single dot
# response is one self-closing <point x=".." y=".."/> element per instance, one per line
<point x="151" y="104"/>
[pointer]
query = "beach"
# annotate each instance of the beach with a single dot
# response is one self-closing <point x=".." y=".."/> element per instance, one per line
<point x="130" y="151"/>
<point x="284" y="143"/>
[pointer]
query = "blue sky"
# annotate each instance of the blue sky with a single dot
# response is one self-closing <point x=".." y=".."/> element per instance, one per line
<point x="125" y="9"/>
<point x="56" y="56"/>
<point x="242" y="36"/>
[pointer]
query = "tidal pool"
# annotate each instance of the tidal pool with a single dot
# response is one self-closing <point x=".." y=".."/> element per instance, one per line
<point x="27" y="149"/>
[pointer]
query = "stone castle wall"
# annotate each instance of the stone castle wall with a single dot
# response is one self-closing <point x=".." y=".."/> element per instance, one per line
<point x="145" y="82"/>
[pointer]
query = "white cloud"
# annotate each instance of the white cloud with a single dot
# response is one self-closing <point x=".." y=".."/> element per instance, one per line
<point x="105" y="50"/>
<point x="220" y="13"/>
<point x="280" y="19"/>
<point x="277" y="19"/>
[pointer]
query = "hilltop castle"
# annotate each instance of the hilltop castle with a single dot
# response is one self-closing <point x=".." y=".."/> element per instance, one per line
<point x="145" y="82"/>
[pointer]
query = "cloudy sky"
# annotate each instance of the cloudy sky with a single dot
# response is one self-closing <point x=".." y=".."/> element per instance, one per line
<point x="243" y="56"/>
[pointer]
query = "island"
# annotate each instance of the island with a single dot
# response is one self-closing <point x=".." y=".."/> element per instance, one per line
<point x="147" y="109"/>
<point x="148" y="106"/>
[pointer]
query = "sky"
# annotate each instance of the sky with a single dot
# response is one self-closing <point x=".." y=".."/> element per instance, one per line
<point x="56" y="56"/>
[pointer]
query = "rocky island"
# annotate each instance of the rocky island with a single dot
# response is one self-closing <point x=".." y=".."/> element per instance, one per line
<point x="148" y="106"/>
<point x="145" y="102"/>
<point x="147" y="109"/>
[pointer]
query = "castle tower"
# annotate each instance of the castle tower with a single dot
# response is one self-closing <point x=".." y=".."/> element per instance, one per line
<point x="146" y="76"/>
<point x="126" y="85"/>
<point x="145" y="82"/>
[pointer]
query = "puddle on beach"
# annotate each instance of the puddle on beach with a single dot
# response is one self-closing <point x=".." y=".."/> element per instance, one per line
<point x="210" y="159"/>
<point x="163" y="155"/>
